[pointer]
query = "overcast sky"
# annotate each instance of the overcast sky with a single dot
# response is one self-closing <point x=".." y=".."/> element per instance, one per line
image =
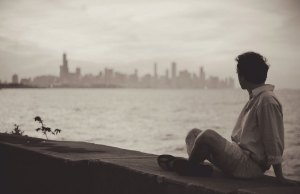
<point x="130" y="34"/>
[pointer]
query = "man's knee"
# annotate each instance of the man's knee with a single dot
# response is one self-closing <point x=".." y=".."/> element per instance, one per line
<point x="192" y="134"/>
<point x="208" y="136"/>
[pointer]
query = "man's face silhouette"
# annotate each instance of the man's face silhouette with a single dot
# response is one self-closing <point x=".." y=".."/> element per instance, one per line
<point x="242" y="81"/>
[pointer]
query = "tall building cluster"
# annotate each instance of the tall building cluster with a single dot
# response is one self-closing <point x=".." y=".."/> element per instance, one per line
<point x="67" y="77"/>
<point x="109" y="78"/>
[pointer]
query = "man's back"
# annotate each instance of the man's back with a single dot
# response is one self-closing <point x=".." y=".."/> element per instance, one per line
<point x="259" y="129"/>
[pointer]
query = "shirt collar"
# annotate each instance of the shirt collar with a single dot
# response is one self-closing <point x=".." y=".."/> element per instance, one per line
<point x="260" y="89"/>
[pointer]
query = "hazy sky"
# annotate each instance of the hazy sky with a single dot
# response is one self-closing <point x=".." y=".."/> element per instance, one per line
<point x="129" y="34"/>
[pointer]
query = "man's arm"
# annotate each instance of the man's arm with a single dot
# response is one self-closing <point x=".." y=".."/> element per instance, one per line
<point x="271" y="123"/>
<point x="278" y="171"/>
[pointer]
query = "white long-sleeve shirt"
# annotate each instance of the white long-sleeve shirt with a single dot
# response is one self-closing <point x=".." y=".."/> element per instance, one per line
<point x="259" y="129"/>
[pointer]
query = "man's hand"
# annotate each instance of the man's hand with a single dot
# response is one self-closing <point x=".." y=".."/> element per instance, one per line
<point x="278" y="172"/>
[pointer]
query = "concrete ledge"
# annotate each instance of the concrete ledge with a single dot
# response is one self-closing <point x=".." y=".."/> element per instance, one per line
<point x="32" y="165"/>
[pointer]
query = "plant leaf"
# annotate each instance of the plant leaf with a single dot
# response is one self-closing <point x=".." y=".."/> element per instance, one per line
<point x="37" y="118"/>
<point x="57" y="131"/>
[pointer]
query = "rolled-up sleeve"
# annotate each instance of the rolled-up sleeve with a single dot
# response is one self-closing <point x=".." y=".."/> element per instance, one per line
<point x="271" y="125"/>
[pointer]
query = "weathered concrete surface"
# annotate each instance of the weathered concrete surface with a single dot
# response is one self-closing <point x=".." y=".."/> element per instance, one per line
<point x="31" y="165"/>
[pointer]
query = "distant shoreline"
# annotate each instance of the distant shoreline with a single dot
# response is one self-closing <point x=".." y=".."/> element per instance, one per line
<point x="21" y="86"/>
<point x="16" y="86"/>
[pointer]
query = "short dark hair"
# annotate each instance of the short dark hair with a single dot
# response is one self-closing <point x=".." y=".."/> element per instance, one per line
<point x="253" y="67"/>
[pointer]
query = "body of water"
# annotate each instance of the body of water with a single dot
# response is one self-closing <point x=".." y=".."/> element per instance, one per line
<point x="149" y="120"/>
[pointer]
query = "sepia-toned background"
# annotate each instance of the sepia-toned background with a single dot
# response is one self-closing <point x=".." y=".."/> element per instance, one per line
<point x="139" y="74"/>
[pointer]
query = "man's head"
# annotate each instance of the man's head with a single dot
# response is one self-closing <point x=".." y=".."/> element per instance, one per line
<point x="252" y="69"/>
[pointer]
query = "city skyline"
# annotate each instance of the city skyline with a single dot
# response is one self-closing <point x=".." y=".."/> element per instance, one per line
<point x="139" y="33"/>
<point x="111" y="78"/>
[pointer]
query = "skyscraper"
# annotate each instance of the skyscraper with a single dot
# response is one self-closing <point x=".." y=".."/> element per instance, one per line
<point x="136" y="72"/>
<point x="64" y="69"/>
<point x="78" y="72"/>
<point x="108" y="76"/>
<point x="201" y="77"/>
<point x="155" y="71"/>
<point x="202" y="74"/>
<point x="174" y="70"/>
<point x="15" y="79"/>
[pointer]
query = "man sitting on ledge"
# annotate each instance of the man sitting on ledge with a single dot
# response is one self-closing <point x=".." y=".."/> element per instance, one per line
<point x="258" y="136"/>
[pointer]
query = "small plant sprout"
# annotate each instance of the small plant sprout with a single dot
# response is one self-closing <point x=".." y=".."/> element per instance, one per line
<point x="17" y="130"/>
<point x="45" y="129"/>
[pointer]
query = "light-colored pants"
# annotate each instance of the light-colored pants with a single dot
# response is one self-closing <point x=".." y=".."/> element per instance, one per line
<point x="233" y="160"/>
